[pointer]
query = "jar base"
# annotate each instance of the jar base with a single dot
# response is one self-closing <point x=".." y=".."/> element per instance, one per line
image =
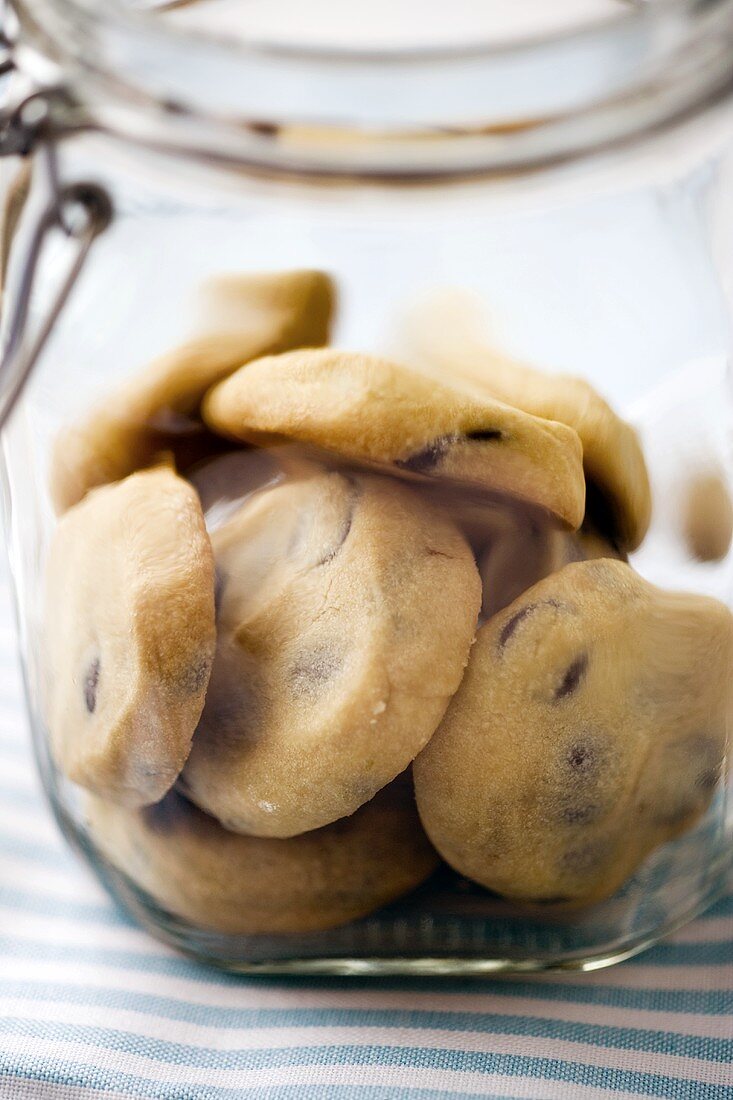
<point x="447" y="928"/>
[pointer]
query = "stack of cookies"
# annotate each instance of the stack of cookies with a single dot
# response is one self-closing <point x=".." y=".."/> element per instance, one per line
<point x="315" y="620"/>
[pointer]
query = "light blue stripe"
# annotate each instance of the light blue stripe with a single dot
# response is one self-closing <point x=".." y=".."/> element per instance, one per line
<point x="698" y="1002"/>
<point x="663" y="955"/>
<point x="487" y="1023"/>
<point x="715" y="1002"/>
<point x="689" y="954"/>
<point x="268" y="1058"/>
<point x="585" y="990"/>
<point x="175" y="965"/>
<point x="149" y="1090"/>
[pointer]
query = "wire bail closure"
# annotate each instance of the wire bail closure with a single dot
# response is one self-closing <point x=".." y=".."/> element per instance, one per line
<point x="80" y="211"/>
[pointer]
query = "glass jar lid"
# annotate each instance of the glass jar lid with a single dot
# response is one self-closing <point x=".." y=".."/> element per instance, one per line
<point x="405" y="88"/>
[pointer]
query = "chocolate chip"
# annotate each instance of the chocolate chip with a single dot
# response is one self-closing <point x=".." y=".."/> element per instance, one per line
<point x="581" y="758"/>
<point x="584" y="859"/>
<point x="430" y="456"/>
<point x="91" y="681"/>
<point x="578" y="788"/>
<point x="579" y="815"/>
<point x="509" y="627"/>
<point x="314" y="669"/>
<point x="573" y="675"/>
<point x="487" y="435"/>
<point x="426" y="459"/>
<point x="266" y="129"/>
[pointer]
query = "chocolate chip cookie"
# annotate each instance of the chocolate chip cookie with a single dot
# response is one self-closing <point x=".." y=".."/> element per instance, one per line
<point x="226" y="882"/>
<point x="369" y="410"/>
<point x="589" y="728"/>
<point x="129" y="635"/>
<point x="347" y="607"/>
<point x="447" y="334"/>
<point x="243" y="317"/>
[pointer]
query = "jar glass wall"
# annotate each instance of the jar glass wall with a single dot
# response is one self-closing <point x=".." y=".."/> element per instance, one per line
<point x="479" y="553"/>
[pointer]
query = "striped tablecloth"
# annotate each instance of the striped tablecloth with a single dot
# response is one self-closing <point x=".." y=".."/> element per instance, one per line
<point x="91" y="1005"/>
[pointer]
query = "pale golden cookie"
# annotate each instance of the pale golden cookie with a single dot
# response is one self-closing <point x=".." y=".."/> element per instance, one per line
<point x="446" y="334"/>
<point x="707" y="516"/>
<point x="347" y="607"/>
<point x="243" y="317"/>
<point x="244" y="885"/>
<point x="129" y="635"/>
<point x="369" y="410"/>
<point x="589" y="728"/>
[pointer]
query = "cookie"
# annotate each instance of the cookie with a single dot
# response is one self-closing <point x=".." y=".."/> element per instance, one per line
<point x="129" y="635"/>
<point x="242" y="885"/>
<point x="707" y="516"/>
<point x="242" y="317"/>
<point x="589" y="728"/>
<point x="369" y="410"/>
<point x="347" y="607"/>
<point x="446" y="334"/>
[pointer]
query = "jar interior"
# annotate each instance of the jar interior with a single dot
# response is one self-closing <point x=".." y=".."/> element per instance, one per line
<point x="613" y="278"/>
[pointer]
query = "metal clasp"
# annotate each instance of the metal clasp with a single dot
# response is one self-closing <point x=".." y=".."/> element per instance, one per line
<point x="21" y="123"/>
<point x="6" y="57"/>
<point x="81" y="211"/>
<point x="32" y="120"/>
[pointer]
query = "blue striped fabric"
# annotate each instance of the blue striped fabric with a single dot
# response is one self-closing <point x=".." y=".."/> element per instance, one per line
<point x="90" y="1005"/>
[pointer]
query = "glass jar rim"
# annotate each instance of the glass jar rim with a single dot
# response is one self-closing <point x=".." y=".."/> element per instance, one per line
<point x="375" y="111"/>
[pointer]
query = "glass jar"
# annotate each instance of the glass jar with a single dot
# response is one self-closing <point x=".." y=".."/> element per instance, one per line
<point x="268" y="593"/>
